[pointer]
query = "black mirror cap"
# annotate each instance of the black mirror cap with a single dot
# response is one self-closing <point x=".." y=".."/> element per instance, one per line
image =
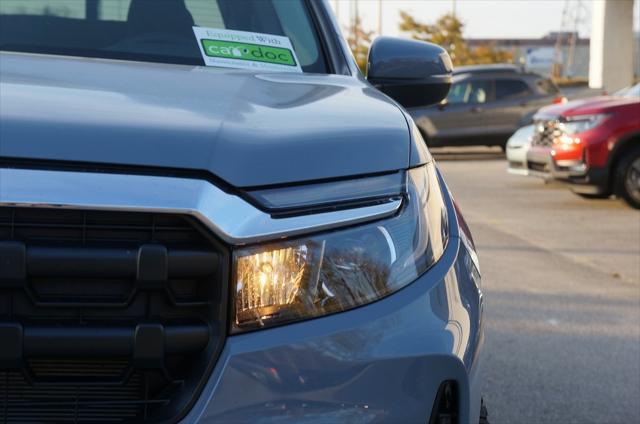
<point x="414" y="73"/>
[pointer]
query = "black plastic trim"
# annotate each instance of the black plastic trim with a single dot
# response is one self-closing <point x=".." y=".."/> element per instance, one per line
<point x="329" y="39"/>
<point x="146" y="343"/>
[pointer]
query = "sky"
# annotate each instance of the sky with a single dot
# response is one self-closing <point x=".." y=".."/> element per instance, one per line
<point x="482" y="18"/>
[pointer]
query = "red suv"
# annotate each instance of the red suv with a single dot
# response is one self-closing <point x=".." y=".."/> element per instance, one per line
<point x="594" y="144"/>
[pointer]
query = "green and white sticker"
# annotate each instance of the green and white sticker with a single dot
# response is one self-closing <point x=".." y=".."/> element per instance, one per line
<point x="246" y="50"/>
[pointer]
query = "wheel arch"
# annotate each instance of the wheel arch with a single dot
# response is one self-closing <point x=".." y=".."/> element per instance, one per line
<point x="626" y="143"/>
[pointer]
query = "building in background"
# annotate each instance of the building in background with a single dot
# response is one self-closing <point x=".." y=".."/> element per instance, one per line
<point x="545" y="55"/>
<point x="548" y="57"/>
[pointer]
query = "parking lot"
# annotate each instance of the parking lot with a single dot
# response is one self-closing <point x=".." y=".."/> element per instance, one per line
<point x="561" y="277"/>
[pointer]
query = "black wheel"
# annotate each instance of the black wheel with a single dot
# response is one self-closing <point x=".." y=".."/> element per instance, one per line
<point x="628" y="177"/>
<point x="484" y="415"/>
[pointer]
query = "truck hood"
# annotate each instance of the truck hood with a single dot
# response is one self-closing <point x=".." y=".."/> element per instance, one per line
<point x="247" y="129"/>
<point x="588" y="106"/>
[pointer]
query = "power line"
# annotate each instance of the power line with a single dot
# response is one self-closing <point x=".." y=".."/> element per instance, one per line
<point x="572" y="17"/>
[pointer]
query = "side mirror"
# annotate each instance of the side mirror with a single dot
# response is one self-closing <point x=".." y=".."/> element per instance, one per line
<point x="414" y="73"/>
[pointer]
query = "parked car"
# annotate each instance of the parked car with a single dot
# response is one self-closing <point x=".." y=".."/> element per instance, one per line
<point x="485" y="106"/>
<point x="517" y="147"/>
<point x="207" y="214"/>
<point x="594" y="144"/>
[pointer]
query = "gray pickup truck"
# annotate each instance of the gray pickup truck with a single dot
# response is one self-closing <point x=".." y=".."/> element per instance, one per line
<point x="207" y="214"/>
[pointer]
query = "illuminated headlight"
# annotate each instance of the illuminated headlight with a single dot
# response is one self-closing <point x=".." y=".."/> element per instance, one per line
<point x="321" y="274"/>
<point x="565" y="141"/>
<point x="582" y="123"/>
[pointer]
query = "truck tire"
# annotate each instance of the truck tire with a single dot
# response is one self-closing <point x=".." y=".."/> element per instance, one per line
<point x="628" y="177"/>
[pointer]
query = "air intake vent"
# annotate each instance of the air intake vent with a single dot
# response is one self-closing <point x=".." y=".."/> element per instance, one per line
<point x="56" y="402"/>
<point x="106" y="316"/>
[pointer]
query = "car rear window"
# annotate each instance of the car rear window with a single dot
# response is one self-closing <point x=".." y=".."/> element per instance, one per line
<point x="151" y="30"/>
<point x="507" y="89"/>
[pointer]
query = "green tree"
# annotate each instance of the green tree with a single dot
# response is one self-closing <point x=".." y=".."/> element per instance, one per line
<point x="448" y="33"/>
<point x="359" y="41"/>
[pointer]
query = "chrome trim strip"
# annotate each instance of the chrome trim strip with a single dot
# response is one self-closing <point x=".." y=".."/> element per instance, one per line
<point x="229" y="216"/>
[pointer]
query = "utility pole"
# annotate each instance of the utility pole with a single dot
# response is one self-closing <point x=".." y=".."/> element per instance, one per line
<point x="577" y="20"/>
<point x="569" y="27"/>
<point x="356" y="18"/>
<point x="379" y="17"/>
<point x="556" y="70"/>
<point x="453" y="8"/>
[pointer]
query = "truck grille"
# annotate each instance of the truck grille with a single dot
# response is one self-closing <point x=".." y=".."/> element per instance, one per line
<point x="106" y="316"/>
<point x="545" y="132"/>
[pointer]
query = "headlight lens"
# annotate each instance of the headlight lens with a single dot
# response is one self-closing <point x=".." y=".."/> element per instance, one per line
<point x="326" y="273"/>
<point x="582" y="123"/>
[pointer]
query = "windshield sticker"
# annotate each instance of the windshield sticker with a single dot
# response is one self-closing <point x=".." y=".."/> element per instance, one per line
<point x="246" y="50"/>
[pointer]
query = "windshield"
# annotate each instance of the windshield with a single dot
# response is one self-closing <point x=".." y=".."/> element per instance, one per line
<point x="151" y="30"/>
<point x="632" y="92"/>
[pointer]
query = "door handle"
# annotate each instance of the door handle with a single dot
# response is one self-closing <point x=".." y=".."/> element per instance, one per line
<point x="476" y="109"/>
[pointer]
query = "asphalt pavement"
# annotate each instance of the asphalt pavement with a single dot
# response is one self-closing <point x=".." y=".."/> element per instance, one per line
<point x="561" y="278"/>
